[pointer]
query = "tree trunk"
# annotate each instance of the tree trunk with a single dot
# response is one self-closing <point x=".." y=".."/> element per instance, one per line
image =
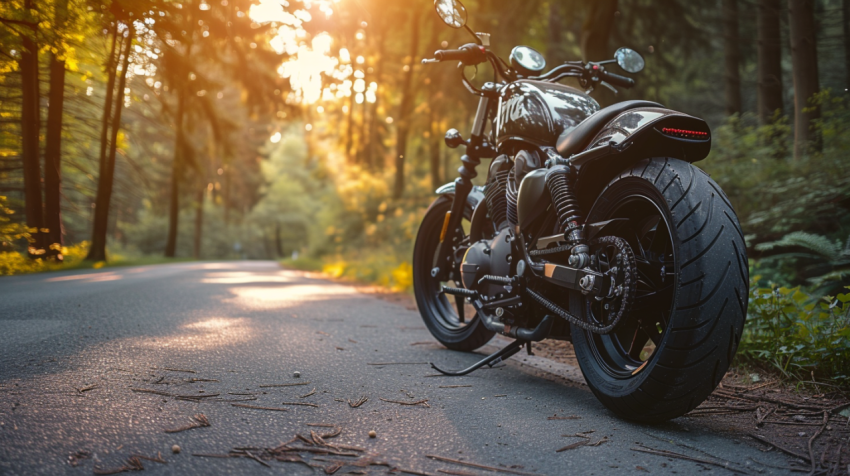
<point x="434" y="145"/>
<point x="595" y="32"/>
<point x="199" y="222"/>
<point x="278" y="243"/>
<point x="845" y="23"/>
<point x="404" y="110"/>
<point x="105" y="181"/>
<point x="53" y="147"/>
<point x="555" y="51"/>
<point x="375" y="140"/>
<point x="349" y="129"/>
<point x="53" y="159"/>
<point x="435" y="97"/>
<point x="226" y="195"/>
<point x="769" y="61"/>
<point x="30" y="129"/>
<point x="362" y="133"/>
<point x="804" y="61"/>
<point x="732" y="61"/>
<point x="111" y="71"/>
<point x="176" y="175"/>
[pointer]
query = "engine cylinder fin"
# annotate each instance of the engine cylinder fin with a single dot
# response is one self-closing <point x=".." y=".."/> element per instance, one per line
<point x="495" y="196"/>
<point x="511" y="194"/>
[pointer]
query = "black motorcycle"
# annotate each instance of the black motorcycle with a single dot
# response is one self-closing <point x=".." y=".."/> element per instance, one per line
<point x="593" y="227"/>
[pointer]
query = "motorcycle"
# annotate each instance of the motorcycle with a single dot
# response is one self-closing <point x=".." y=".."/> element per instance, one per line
<point x="594" y="227"/>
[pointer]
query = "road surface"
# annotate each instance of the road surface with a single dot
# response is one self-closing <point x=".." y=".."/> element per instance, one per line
<point x="74" y="345"/>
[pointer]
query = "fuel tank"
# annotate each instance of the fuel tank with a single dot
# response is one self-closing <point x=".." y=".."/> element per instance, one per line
<point x="538" y="112"/>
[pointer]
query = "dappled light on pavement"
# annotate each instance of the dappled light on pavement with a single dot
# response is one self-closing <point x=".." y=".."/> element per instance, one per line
<point x="244" y="278"/>
<point x="90" y="277"/>
<point x="272" y="297"/>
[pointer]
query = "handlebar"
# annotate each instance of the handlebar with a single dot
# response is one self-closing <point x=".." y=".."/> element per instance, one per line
<point x="616" y="79"/>
<point x="473" y="54"/>
<point x="467" y="54"/>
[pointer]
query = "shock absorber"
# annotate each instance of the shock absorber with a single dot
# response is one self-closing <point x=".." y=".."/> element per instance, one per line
<point x="570" y="218"/>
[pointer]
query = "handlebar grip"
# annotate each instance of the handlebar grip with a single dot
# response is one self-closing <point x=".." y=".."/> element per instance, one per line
<point x="617" y="80"/>
<point x="450" y="55"/>
<point x="466" y="55"/>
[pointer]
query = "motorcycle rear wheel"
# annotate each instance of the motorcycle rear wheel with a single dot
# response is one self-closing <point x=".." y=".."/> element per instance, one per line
<point x="675" y="344"/>
<point x="462" y="330"/>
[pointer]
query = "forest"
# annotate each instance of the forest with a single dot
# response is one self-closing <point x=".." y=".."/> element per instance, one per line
<point x="308" y="131"/>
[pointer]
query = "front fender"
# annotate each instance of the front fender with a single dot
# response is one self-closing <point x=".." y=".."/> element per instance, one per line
<point x="476" y="195"/>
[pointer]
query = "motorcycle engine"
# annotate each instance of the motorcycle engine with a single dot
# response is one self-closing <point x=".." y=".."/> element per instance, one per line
<point x="491" y="257"/>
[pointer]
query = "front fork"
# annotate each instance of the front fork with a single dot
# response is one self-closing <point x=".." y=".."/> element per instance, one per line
<point x="477" y="148"/>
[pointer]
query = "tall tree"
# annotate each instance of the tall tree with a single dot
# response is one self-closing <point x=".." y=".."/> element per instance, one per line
<point x="845" y="24"/>
<point x="30" y="130"/>
<point x="53" y="140"/>
<point x="595" y="33"/>
<point x="804" y="60"/>
<point x="732" y="57"/>
<point x="105" y="182"/>
<point x="176" y="174"/>
<point x="199" y="221"/>
<point x="555" y="53"/>
<point x="374" y="145"/>
<point x="406" y="106"/>
<point x="769" y="60"/>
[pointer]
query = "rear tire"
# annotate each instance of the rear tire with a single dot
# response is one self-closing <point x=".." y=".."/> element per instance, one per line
<point x="704" y="306"/>
<point x="439" y="311"/>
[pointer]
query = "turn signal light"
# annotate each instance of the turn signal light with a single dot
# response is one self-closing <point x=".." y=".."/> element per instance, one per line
<point x="684" y="133"/>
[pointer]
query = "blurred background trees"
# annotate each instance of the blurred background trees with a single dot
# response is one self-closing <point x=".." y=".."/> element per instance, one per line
<point x="268" y="128"/>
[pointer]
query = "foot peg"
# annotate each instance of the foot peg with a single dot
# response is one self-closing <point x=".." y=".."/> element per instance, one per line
<point x="460" y="292"/>
<point x="503" y="280"/>
<point x="490" y="360"/>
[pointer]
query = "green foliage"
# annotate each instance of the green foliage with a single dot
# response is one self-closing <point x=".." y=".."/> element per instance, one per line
<point x="14" y="262"/>
<point x="798" y="333"/>
<point x="828" y="260"/>
<point x="793" y="213"/>
<point x="10" y="231"/>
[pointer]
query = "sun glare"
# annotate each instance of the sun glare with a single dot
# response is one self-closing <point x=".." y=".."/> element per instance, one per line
<point x="310" y="64"/>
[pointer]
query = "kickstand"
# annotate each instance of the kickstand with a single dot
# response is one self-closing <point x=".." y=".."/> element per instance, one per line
<point x="490" y="360"/>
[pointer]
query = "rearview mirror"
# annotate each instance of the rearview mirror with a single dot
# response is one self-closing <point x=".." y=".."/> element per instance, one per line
<point x="452" y="12"/>
<point x="630" y="60"/>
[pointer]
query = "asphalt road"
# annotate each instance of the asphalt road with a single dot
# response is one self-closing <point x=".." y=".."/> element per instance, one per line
<point x="74" y="344"/>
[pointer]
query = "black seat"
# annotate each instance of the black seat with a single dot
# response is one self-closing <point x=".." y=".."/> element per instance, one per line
<point x="573" y="141"/>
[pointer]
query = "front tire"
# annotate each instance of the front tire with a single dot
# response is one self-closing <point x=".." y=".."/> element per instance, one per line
<point x="449" y="319"/>
<point x="673" y="348"/>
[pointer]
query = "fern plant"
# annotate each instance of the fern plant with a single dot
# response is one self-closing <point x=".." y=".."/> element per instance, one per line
<point x="826" y="262"/>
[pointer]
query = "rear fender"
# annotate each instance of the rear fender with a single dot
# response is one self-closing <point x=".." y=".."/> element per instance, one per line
<point x="635" y="135"/>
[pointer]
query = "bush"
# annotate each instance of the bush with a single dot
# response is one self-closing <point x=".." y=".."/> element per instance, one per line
<point x="14" y="262"/>
<point x="798" y="333"/>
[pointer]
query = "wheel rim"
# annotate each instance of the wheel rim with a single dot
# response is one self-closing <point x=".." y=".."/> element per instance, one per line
<point x="631" y="345"/>
<point x="443" y="307"/>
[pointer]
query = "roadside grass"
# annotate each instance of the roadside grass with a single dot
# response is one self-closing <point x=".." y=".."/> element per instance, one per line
<point x="14" y="263"/>
<point x="366" y="268"/>
<point x="800" y="335"/>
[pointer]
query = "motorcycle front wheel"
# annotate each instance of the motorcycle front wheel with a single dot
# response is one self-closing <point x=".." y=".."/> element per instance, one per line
<point x="452" y="321"/>
<point x="680" y="335"/>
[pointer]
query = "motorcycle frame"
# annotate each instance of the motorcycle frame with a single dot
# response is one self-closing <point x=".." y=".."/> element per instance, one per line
<point x="477" y="148"/>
